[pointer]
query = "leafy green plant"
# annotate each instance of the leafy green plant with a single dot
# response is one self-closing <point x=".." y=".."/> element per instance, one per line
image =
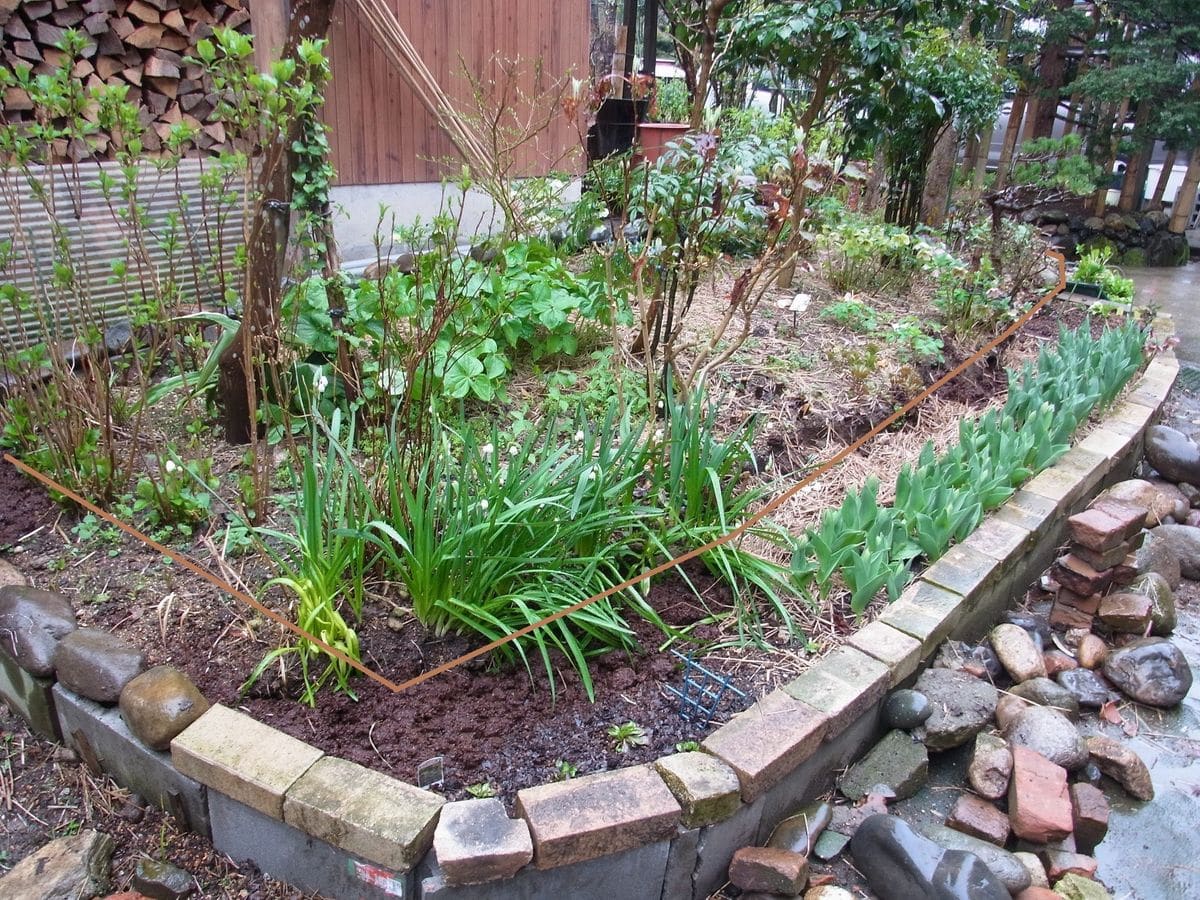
<point x="914" y="343"/>
<point x="853" y="313"/>
<point x="322" y="561"/>
<point x="179" y="494"/>
<point x="942" y="498"/>
<point x="1094" y="268"/>
<point x="687" y="746"/>
<point x="626" y="736"/>
<point x="482" y="790"/>
<point x="490" y="539"/>
<point x="564" y="770"/>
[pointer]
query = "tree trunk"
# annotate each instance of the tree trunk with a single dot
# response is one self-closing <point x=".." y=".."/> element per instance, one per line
<point x="257" y="336"/>
<point x="1100" y="199"/>
<point x="1133" y="188"/>
<point x="935" y="195"/>
<point x="1160" y="189"/>
<point x="820" y="93"/>
<point x="1185" y="199"/>
<point x="1052" y="72"/>
<point x="1008" y="148"/>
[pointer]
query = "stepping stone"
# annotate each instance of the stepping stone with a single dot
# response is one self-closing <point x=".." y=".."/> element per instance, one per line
<point x="897" y="761"/>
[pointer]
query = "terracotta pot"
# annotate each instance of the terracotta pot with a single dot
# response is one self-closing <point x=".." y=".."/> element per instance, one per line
<point x="653" y="137"/>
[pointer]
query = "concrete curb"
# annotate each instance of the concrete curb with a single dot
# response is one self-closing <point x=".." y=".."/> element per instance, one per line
<point x="325" y="825"/>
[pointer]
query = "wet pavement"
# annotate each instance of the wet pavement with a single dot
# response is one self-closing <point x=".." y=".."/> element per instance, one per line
<point x="1177" y="291"/>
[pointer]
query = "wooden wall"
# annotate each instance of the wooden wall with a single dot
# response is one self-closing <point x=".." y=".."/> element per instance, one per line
<point x="382" y="134"/>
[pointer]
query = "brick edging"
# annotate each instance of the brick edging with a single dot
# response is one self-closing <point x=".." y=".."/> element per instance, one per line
<point x="331" y="826"/>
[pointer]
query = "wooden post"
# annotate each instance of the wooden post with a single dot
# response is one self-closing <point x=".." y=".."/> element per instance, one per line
<point x="1185" y="200"/>
<point x="268" y="21"/>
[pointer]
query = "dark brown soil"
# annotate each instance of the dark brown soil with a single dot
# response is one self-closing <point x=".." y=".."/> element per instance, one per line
<point x="24" y="505"/>
<point x="492" y="725"/>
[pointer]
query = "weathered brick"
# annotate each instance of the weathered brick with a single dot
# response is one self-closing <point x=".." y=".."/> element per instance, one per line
<point x="975" y="816"/>
<point x="1000" y="540"/>
<point x="1075" y="575"/>
<point x="1066" y="617"/>
<point x="1086" y="603"/>
<point x="592" y="816"/>
<point x="1098" y="531"/>
<point x="769" y="870"/>
<point x="1127" y="613"/>
<point x="706" y="788"/>
<point x="767" y="741"/>
<point x="925" y="611"/>
<point x="476" y="842"/>
<point x="28" y="696"/>
<point x="1032" y="512"/>
<point x="1039" y="806"/>
<point x="363" y="812"/>
<point x="232" y="753"/>
<point x="1089" y="809"/>
<point x="1063" y="486"/>
<point x="1120" y="521"/>
<point x="899" y="651"/>
<point x="843" y="685"/>
<point x="1108" y="558"/>
<point x="1063" y="862"/>
<point x="964" y="570"/>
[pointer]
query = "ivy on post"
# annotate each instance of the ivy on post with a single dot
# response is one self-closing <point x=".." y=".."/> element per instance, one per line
<point x="269" y="230"/>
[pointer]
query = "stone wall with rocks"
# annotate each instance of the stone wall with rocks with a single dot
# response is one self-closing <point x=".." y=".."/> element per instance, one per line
<point x="1136" y="239"/>
<point x="679" y="828"/>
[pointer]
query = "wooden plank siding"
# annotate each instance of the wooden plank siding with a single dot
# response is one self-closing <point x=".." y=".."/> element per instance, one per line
<point x="381" y="132"/>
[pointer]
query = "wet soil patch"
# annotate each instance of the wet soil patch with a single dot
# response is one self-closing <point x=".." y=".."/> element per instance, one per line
<point x="494" y="725"/>
<point x="24" y="505"/>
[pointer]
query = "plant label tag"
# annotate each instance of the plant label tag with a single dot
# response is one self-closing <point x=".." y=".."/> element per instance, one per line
<point x="377" y="878"/>
<point x="431" y="773"/>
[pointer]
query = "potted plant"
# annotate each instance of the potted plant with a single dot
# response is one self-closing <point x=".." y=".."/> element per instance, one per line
<point x="668" y="118"/>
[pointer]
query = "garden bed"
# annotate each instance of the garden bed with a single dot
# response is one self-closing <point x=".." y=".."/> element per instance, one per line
<point x="500" y="731"/>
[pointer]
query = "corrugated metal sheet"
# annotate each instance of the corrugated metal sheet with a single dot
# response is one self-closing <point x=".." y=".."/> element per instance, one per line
<point x="68" y="267"/>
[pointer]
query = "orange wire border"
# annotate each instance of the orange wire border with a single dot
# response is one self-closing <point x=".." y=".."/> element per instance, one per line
<point x="741" y="529"/>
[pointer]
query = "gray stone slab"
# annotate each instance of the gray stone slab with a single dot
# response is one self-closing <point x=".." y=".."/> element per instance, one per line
<point x="717" y="845"/>
<point x="636" y="874"/>
<point x="681" y="863"/>
<point x="29" y="697"/>
<point x="283" y="852"/>
<point x="130" y="762"/>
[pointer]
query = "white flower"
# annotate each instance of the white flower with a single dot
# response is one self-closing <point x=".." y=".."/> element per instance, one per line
<point x="579" y="436"/>
<point x="486" y="450"/>
<point x="591" y="474"/>
<point x="483" y="504"/>
<point x="658" y="435"/>
<point x="170" y="466"/>
<point x="320" y="383"/>
<point x="513" y="450"/>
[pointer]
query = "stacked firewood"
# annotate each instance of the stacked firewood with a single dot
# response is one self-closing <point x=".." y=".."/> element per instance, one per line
<point x="142" y="43"/>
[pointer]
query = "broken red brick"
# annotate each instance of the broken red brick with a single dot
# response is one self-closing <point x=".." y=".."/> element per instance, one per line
<point x="769" y="869"/>
<point x="975" y="816"/>
<point x="1039" y="807"/>
<point x="1089" y="810"/>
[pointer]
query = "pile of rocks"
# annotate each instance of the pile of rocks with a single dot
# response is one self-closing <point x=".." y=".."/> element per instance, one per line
<point x="1136" y="239"/>
<point x="43" y="639"/>
<point x="1026" y="701"/>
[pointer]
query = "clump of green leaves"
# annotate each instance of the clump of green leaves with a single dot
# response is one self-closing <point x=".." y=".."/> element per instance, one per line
<point x="1094" y="268"/>
<point x="942" y="498"/>
<point x="627" y="736"/>
<point x="178" y="495"/>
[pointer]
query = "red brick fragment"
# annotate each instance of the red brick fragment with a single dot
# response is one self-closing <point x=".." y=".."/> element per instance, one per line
<point x="1039" y="807"/>
<point x="975" y="816"/>
<point x="1089" y="810"/>
<point x="1075" y="575"/>
<point x="770" y="870"/>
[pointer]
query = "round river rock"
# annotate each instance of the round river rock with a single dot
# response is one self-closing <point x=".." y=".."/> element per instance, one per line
<point x="159" y="704"/>
<point x="962" y="707"/>
<point x="1050" y="733"/>
<point x="96" y="664"/>
<point x="1173" y="453"/>
<point x="906" y="709"/>
<point x="1151" y="671"/>
<point x="32" y="622"/>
